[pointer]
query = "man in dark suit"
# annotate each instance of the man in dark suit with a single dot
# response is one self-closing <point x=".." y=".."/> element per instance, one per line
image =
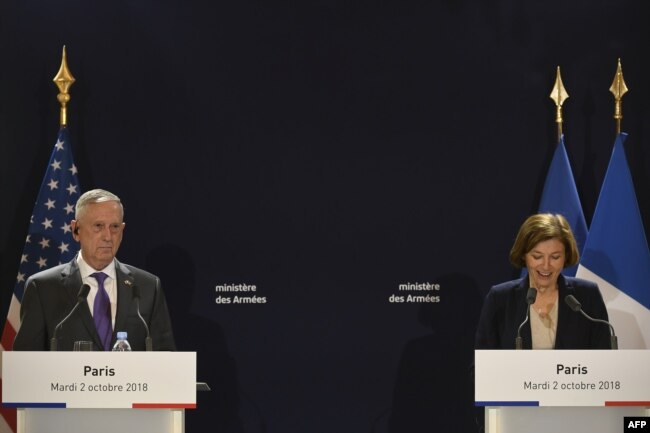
<point x="110" y="307"/>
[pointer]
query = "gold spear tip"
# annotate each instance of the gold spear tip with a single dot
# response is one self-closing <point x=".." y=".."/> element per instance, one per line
<point x="618" y="88"/>
<point x="63" y="81"/>
<point x="559" y="93"/>
<point x="64" y="78"/>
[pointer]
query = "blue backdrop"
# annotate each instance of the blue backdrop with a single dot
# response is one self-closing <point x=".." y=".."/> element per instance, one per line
<point x="326" y="153"/>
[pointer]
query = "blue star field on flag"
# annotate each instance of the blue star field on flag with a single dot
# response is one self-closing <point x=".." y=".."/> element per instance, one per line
<point x="49" y="239"/>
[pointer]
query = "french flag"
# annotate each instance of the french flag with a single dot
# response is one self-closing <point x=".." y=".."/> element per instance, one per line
<point x="616" y="254"/>
<point x="560" y="196"/>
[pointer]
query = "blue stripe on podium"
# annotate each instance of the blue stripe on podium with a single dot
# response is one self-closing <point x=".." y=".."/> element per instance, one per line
<point x="31" y="405"/>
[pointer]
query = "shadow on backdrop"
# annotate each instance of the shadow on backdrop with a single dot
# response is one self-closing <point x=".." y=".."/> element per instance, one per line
<point x="434" y="389"/>
<point x="217" y="410"/>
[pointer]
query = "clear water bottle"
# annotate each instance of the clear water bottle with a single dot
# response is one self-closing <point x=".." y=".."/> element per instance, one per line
<point x="122" y="344"/>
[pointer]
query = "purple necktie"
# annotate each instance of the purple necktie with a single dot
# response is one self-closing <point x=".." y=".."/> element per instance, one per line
<point x="102" y="311"/>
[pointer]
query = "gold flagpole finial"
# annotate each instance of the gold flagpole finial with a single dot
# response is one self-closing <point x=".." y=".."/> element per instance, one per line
<point x="63" y="81"/>
<point x="618" y="89"/>
<point x="559" y="95"/>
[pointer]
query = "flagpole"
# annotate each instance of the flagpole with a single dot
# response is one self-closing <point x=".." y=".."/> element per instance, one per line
<point x="559" y="95"/>
<point x="618" y="89"/>
<point x="49" y="236"/>
<point x="64" y="80"/>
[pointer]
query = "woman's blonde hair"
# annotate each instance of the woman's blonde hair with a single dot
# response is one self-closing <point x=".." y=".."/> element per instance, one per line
<point x="539" y="228"/>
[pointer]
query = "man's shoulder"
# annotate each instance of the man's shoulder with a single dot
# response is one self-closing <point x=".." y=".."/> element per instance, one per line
<point x="134" y="271"/>
<point x="52" y="273"/>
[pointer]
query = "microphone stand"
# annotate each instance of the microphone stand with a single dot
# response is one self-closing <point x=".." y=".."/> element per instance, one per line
<point x="531" y="295"/>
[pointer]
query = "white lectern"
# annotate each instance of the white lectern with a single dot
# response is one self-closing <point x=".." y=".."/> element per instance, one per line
<point x="102" y="392"/>
<point x="589" y="391"/>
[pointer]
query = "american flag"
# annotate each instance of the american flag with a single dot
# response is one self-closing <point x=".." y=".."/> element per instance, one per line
<point x="49" y="239"/>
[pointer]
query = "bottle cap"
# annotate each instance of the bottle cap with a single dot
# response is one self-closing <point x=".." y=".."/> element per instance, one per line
<point x="121" y="335"/>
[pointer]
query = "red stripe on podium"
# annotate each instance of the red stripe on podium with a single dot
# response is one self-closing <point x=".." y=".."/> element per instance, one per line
<point x="164" y="406"/>
<point x="628" y="403"/>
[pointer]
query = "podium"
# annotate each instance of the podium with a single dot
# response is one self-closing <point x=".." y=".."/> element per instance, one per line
<point x="590" y="391"/>
<point x="102" y="392"/>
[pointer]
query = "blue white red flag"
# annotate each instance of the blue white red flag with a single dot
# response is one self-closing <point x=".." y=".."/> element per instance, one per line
<point x="616" y="254"/>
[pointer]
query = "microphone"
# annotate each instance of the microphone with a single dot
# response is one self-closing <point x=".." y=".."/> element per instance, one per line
<point x="136" y="297"/>
<point x="81" y="298"/>
<point x="575" y="305"/>
<point x="531" y="295"/>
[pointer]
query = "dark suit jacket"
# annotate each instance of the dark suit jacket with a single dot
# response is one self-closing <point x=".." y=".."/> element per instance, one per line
<point x="51" y="294"/>
<point x="505" y="308"/>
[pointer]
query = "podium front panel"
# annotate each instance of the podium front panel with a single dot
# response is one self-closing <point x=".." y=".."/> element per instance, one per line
<point x="562" y="378"/>
<point x="99" y="380"/>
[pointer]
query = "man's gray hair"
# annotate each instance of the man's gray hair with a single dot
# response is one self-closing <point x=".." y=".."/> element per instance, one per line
<point x="95" y="196"/>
